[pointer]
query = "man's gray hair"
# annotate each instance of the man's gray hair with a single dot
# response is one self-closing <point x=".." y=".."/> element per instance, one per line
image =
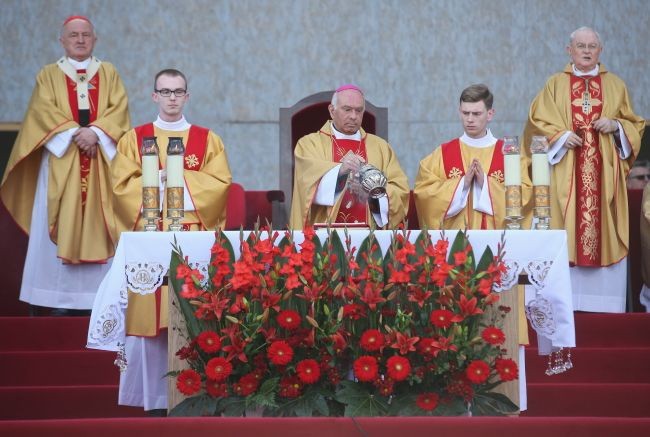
<point x="335" y="99"/>
<point x="92" y="26"/>
<point x="572" y="37"/>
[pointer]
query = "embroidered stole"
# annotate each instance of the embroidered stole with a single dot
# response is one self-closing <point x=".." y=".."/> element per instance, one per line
<point x="197" y="138"/>
<point x="83" y="98"/>
<point x="586" y="107"/>
<point x="351" y="210"/>
<point x="452" y="159"/>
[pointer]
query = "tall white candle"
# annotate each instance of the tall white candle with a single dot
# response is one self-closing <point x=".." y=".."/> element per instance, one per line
<point x="150" y="171"/>
<point x="175" y="171"/>
<point x="541" y="172"/>
<point x="512" y="169"/>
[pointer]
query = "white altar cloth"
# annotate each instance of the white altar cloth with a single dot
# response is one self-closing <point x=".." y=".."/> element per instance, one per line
<point x="142" y="259"/>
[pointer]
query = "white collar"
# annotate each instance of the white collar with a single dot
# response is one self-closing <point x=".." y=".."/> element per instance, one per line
<point x="79" y="65"/>
<point x="485" y="141"/>
<point x="341" y="136"/>
<point x="579" y="73"/>
<point x="178" y="125"/>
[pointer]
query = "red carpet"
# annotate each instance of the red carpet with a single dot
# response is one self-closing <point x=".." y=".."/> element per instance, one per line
<point x="46" y="373"/>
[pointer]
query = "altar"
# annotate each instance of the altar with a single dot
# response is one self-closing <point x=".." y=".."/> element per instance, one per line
<point x="142" y="260"/>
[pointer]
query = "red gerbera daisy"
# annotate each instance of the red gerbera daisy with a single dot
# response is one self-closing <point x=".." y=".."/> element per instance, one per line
<point x="308" y="371"/>
<point x="398" y="368"/>
<point x="372" y="340"/>
<point x="427" y="401"/>
<point x="216" y="389"/>
<point x="247" y="384"/>
<point x="289" y="319"/>
<point x="218" y="369"/>
<point x="507" y="369"/>
<point x="493" y="335"/>
<point x="209" y="341"/>
<point x="442" y="318"/>
<point x="188" y="382"/>
<point x="366" y="368"/>
<point x="280" y="353"/>
<point x="478" y="371"/>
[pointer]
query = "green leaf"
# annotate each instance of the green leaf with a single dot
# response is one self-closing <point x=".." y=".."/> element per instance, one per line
<point x="455" y="407"/>
<point x="485" y="260"/>
<point x="359" y="402"/>
<point x="312" y="400"/>
<point x="265" y="396"/>
<point x="202" y="405"/>
<point x="492" y="404"/>
<point x="405" y="406"/>
<point x="193" y="325"/>
<point x="336" y="247"/>
<point x="232" y="407"/>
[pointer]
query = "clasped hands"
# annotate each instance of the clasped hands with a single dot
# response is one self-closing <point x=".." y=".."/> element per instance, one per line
<point x="86" y="139"/>
<point x="351" y="163"/>
<point x="474" y="173"/>
<point x="603" y="125"/>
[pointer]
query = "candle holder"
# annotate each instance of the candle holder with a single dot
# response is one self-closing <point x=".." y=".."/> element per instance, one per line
<point x="175" y="183"/>
<point x="150" y="184"/>
<point x="541" y="182"/>
<point x="512" y="173"/>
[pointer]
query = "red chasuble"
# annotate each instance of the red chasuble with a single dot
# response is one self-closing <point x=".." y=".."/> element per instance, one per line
<point x="586" y="107"/>
<point x="93" y="90"/>
<point x="452" y="159"/>
<point x="351" y="210"/>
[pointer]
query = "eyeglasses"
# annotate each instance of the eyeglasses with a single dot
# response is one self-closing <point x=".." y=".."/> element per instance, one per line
<point x="581" y="46"/>
<point x="165" y="92"/>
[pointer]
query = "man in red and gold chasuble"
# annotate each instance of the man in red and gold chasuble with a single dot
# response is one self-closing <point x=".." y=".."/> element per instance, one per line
<point x="207" y="179"/>
<point x="586" y="114"/>
<point x="461" y="183"/>
<point x="57" y="182"/>
<point x="327" y="165"/>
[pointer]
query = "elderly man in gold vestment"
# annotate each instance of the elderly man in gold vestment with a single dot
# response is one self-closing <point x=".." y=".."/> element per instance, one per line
<point x="329" y="184"/>
<point x="586" y="114"/>
<point x="56" y="185"/>
<point x="207" y="179"/>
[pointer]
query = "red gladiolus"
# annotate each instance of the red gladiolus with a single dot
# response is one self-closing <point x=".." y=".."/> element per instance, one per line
<point x="366" y="368"/>
<point x="427" y="401"/>
<point x="398" y="368"/>
<point x="308" y="371"/>
<point x="188" y="382"/>
<point x="460" y="258"/>
<point x="209" y="341"/>
<point x="493" y="335"/>
<point x="478" y="371"/>
<point x="372" y="340"/>
<point x="280" y="353"/>
<point x="443" y="318"/>
<point x="289" y="319"/>
<point x="218" y="369"/>
<point x="507" y="369"/>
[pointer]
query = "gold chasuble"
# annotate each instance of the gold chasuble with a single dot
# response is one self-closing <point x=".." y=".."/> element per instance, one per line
<point x="314" y="158"/>
<point x="79" y="193"/>
<point x="207" y="179"/>
<point x="588" y="190"/>
<point x="439" y="178"/>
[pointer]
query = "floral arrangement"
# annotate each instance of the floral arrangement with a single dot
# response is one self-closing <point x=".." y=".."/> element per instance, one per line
<point x="323" y="328"/>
